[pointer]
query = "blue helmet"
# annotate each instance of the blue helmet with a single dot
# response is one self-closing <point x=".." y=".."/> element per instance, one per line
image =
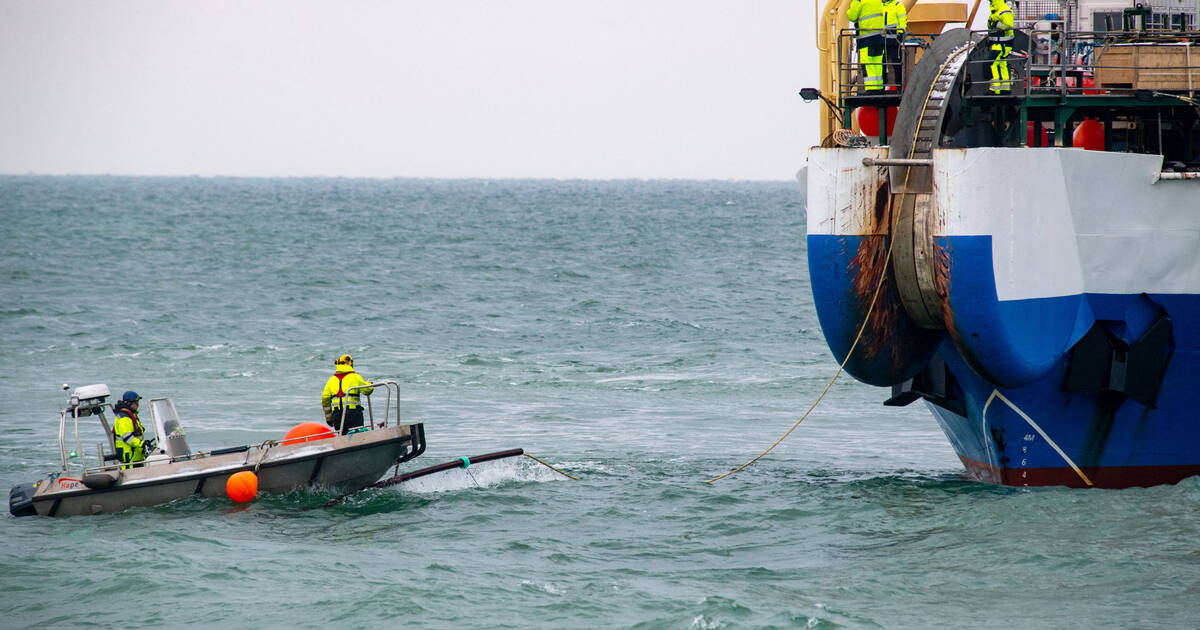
<point x="130" y="396"/>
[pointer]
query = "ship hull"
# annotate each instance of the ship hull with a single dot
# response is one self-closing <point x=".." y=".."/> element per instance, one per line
<point x="1039" y="435"/>
<point x="1091" y="249"/>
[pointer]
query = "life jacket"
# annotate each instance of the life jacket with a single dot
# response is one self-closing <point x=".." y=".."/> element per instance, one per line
<point x="137" y="429"/>
<point x="340" y="396"/>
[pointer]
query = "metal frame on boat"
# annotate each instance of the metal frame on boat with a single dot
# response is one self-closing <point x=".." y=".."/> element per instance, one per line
<point x="171" y="471"/>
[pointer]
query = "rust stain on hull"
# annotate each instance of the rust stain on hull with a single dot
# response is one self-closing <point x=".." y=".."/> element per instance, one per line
<point x="868" y="266"/>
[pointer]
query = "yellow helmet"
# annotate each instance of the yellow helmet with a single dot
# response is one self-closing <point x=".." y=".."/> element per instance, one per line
<point x="345" y="359"/>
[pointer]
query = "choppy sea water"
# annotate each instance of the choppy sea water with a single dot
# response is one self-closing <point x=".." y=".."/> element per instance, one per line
<point x="643" y="336"/>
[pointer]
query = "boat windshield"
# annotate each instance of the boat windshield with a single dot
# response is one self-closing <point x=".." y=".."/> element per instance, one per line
<point x="168" y="427"/>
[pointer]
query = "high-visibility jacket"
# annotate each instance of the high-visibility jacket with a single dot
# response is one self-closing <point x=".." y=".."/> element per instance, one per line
<point x="337" y="389"/>
<point x="1000" y="23"/>
<point x="894" y="14"/>
<point x="127" y="436"/>
<point x="867" y="16"/>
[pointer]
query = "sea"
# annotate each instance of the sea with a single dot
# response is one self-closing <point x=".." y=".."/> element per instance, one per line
<point x="642" y="336"/>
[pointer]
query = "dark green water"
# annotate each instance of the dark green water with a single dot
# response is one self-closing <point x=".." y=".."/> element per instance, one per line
<point x="642" y="335"/>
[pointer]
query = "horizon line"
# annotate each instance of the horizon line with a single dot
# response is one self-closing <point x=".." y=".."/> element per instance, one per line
<point x="403" y="177"/>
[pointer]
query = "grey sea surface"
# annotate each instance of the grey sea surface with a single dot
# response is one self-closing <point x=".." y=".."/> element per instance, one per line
<point x="641" y="335"/>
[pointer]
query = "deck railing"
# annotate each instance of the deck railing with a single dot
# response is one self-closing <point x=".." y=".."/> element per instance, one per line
<point x="1047" y="60"/>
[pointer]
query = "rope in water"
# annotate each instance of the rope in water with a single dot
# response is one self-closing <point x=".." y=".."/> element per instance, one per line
<point x="550" y="467"/>
<point x="866" y="319"/>
<point x="874" y="295"/>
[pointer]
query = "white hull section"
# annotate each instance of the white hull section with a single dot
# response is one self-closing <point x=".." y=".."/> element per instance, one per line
<point x="1071" y="221"/>
<point x="1062" y="221"/>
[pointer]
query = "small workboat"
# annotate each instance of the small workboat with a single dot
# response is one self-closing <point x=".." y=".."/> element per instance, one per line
<point x="314" y="455"/>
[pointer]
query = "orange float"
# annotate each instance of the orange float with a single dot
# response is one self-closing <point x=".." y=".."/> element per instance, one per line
<point x="307" y="432"/>
<point x="868" y="120"/>
<point x="242" y="486"/>
<point x="1089" y="135"/>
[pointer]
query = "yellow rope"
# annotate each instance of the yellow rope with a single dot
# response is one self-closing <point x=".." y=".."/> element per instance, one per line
<point x="861" y="329"/>
<point x="874" y="296"/>
<point x="550" y="467"/>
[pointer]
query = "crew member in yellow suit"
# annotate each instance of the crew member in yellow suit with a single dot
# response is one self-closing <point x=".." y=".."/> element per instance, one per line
<point x="868" y="18"/>
<point x="1000" y="35"/>
<point x="895" y="19"/>
<point x="337" y="396"/>
<point x="128" y="434"/>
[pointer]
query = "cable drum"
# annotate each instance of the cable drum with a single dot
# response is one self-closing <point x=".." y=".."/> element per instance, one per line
<point x="922" y="116"/>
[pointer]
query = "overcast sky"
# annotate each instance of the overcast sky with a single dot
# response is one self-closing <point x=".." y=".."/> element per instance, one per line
<point x="700" y="89"/>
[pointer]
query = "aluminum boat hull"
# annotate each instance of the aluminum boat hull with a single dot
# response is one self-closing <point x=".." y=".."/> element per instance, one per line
<point x="348" y="463"/>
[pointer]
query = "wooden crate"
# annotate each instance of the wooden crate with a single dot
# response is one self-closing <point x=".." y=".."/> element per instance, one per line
<point x="1149" y="66"/>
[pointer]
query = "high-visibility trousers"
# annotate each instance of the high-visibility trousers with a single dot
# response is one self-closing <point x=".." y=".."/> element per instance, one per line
<point x="870" y="55"/>
<point x="1000" y="82"/>
<point x="130" y="454"/>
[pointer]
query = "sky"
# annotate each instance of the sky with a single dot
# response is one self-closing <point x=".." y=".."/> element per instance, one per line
<point x="648" y="89"/>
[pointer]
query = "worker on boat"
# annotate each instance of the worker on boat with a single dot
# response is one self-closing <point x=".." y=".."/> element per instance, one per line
<point x="337" y="397"/>
<point x="868" y="18"/>
<point x="127" y="430"/>
<point x="895" y="20"/>
<point x="1000" y="35"/>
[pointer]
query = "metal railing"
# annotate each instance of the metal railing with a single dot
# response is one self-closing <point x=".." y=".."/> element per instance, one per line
<point x="389" y="387"/>
<point x="76" y="455"/>
<point x="1046" y="59"/>
<point x="896" y="64"/>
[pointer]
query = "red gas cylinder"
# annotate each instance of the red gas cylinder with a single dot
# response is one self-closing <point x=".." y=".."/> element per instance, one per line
<point x="868" y="120"/>
<point x="1089" y="135"/>
<point x="1029" y="136"/>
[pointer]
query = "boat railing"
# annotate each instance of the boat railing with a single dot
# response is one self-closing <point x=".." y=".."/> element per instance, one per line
<point x="390" y="387"/>
<point x="1046" y="59"/>
<point x="70" y="442"/>
<point x="853" y="90"/>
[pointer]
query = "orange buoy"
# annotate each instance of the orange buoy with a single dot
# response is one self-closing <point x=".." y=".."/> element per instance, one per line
<point x="307" y="431"/>
<point x="242" y="486"/>
<point x="1089" y="135"/>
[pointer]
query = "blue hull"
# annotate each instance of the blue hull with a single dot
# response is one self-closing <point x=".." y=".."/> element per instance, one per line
<point x="1010" y="378"/>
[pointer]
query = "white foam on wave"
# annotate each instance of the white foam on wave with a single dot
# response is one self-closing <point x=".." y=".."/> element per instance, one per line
<point x="484" y="475"/>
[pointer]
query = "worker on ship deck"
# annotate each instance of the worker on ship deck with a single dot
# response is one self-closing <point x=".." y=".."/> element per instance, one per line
<point x="895" y="24"/>
<point x="128" y="434"/>
<point x="1000" y="36"/>
<point x="868" y="18"/>
<point x="337" y="397"/>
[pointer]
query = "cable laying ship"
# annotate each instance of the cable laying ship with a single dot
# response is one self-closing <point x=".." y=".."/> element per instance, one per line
<point x="1041" y="297"/>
